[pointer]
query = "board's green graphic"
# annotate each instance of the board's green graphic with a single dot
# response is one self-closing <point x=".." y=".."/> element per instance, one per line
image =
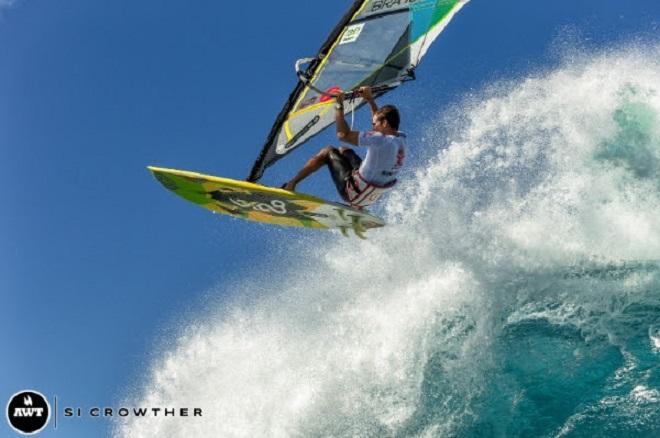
<point x="259" y="203"/>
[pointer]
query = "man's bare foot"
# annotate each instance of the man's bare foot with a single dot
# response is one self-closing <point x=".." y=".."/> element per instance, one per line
<point x="290" y="186"/>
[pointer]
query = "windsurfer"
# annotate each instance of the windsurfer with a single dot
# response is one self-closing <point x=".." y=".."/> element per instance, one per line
<point x="361" y="182"/>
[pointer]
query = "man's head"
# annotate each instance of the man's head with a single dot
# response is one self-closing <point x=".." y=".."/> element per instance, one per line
<point x="386" y="120"/>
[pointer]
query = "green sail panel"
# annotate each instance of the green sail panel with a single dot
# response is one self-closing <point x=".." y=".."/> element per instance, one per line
<point x="377" y="43"/>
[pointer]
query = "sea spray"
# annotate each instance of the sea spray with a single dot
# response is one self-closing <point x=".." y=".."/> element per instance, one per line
<point x="515" y="293"/>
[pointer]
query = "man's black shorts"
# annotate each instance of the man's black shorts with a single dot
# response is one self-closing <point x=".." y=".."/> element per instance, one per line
<point x="341" y="167"/>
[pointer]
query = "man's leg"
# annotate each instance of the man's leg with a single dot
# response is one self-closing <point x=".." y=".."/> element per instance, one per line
<point x="315" y="163"/>
<point x="350" y="155"/>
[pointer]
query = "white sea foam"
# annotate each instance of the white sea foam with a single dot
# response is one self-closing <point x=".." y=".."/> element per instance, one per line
<point x="541" y="175"/>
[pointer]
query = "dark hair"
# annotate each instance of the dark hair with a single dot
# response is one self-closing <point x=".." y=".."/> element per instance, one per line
<point x="391" y="114"/>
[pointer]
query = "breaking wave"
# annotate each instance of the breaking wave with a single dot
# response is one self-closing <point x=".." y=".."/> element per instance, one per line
<point x="516" y="294"/>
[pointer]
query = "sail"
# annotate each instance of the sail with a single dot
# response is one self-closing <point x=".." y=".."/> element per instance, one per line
<point x="377" y="43"/>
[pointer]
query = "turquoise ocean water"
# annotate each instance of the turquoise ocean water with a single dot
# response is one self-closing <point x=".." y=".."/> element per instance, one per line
<point x="516" y="293"/>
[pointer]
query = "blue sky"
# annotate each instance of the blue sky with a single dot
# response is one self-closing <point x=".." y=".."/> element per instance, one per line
<point x="97" y="261"/>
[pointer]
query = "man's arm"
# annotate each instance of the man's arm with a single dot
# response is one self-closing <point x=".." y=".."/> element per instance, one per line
<point x="344" y="132"/>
